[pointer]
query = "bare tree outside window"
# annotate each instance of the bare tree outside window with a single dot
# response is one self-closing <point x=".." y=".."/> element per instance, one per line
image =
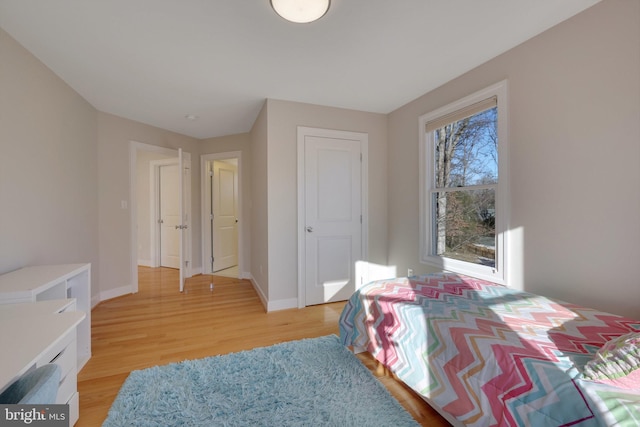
<point x="464" y="194"/>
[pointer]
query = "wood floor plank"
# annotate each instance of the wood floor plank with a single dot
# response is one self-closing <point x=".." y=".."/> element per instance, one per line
<point x="160" y="325"/>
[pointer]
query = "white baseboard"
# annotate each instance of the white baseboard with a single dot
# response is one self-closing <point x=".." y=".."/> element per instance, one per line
<point x="283" y="304"/>
<point x="145" y="263"/>
<point x="113" y="293"/>
<point x="263" y="298"/>
<point x="95" y="299"/>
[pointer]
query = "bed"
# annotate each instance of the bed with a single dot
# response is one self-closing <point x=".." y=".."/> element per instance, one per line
<point x="487" y="355"/>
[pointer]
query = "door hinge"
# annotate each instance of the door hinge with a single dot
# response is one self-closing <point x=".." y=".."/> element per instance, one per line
<point x="210" y="216"/>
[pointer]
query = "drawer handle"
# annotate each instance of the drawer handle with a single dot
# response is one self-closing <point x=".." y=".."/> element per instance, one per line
<point x="57" y="356"/>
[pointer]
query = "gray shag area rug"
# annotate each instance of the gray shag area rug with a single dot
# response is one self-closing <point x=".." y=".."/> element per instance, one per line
<point x="311" y="382"/>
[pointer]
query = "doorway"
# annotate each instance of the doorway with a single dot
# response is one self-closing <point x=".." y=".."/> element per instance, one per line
<point x="332" y="213"/>
<point x="145" y="162"/>
<point x="222" y="223"/>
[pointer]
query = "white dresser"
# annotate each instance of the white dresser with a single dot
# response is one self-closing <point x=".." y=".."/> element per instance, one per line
<point x="45" y="317"/>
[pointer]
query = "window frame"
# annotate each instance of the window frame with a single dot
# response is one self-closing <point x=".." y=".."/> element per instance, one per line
<point x="497" y="274"/>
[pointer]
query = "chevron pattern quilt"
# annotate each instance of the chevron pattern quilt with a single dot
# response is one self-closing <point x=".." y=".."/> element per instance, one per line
<point x="490" y="355"/>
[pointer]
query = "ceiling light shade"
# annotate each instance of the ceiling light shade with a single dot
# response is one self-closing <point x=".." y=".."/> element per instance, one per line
<point x="301" y="11"/>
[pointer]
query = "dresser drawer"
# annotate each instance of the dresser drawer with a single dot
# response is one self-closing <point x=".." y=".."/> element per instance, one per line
<point x="67" y="388"/>
<point x="66" y="359"/>
<point x="74" y="408"/>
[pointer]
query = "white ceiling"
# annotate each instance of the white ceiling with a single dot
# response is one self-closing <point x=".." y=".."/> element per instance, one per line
<point x="155" y="61"/>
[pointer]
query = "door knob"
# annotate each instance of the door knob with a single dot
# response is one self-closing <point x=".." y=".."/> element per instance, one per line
<point x="309" y="229"/>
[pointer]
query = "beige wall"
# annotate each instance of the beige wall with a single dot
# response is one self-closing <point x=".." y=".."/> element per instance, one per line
<point x="574" y="126"/>
<point x="114" y="137"/>
<point x="48" y="166"/>
<point x="258" y="205"/>
<point x="64" y="172"/>
<point x="283" y="120"/>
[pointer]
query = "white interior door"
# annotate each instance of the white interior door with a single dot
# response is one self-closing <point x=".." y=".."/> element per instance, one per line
<point x="169" y="214"/>
<point x="225" y="217"/>
<point x="332" y="217"/>
<point x="182" y="227"/>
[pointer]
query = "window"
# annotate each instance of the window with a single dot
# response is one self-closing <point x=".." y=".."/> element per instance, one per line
<point x="463" y="185"/>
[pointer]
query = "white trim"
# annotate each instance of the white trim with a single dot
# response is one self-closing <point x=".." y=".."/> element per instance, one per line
<point x="134" y="146"/>
<point x="364" y="197"/>
<point x="204" y="198"/>
<point x="261" y="295"/>
<point x="269" y="306"/>
<point x="282" y="304"/>
<point x="113" y="293"/>
<point x="499" y="273"/>
<point x="96" y="299"/>
<point x="145" y="262"/>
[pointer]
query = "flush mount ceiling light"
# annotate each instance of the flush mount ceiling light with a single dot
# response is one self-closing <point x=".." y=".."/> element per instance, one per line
<point x="301" y="11"/>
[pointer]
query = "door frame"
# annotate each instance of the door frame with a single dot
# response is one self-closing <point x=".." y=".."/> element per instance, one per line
<point x="303" y="132"/>
<point x="134" y="148"/>
<point x="205" y="194"/>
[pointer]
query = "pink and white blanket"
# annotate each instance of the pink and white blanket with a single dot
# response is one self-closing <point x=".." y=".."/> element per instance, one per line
<point x="489" y="355"/>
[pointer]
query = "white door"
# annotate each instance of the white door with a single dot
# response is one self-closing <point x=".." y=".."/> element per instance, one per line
<point x="332" y="216"/>
<point x="225" y="218"/>
<point x="184" y="201"/>
<point x="169" y="216"/>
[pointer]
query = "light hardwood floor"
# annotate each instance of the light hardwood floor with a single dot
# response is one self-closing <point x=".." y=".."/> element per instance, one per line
<point x="160" y="325"/>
